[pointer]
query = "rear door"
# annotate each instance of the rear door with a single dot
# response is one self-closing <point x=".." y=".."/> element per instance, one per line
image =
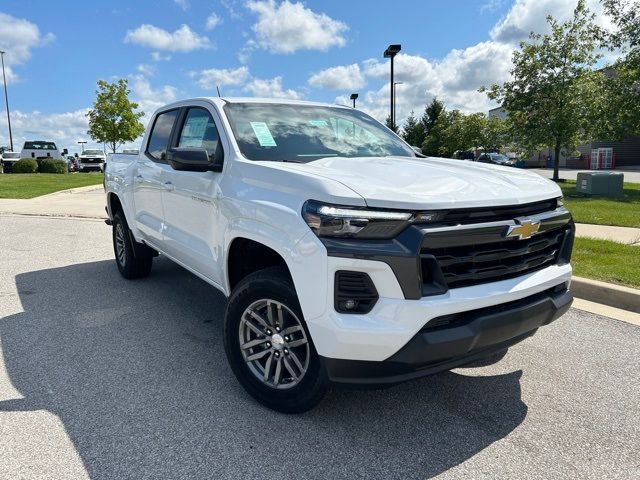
<point x="149" y="179"/>
<point x="191" y="201"/>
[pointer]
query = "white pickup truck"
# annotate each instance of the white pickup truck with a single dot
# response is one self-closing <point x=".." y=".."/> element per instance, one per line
<point x="346" y="257"/>
<point x="91" y="161"/>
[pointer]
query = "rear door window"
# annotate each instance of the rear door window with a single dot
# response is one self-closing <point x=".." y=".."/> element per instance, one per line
<point x="160" y="135"/>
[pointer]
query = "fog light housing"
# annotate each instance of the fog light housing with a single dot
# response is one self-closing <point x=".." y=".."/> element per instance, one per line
<point x="354" y="292"/>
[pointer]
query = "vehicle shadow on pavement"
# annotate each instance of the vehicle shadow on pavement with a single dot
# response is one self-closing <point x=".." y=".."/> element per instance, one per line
<point x="136" y="372"/>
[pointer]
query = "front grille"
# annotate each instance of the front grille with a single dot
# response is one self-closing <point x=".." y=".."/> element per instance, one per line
<point x="463" y="266"/>
<point x="494" y="214"/>
<point x="91" y="160"/>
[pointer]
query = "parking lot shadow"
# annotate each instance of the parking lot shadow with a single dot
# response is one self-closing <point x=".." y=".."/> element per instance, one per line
<point x="136" y="372"/>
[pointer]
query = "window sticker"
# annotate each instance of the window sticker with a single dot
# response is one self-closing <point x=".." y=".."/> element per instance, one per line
<point x="318" y="123"/>
<point x="263" y="134"/>
<point x="195" y="127"/>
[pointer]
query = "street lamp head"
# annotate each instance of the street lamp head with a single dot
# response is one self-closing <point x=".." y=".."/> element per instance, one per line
<point x="392" y="50"/>
<point x="354" y="96"/>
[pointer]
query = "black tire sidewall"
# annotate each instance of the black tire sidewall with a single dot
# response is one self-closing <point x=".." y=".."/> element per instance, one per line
<point x="271" y="284"/>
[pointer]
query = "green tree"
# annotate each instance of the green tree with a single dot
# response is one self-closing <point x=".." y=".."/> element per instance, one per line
<point x="444" y="136"/>
<point x="431" y="114"/>
<point x="546" y="99"/>
<point x="412" y="132"/>
<point x="113" y="119"/>
<point x="495" y="134"/>
<point x="390" y="125"/>
<point x="618" y="112"/>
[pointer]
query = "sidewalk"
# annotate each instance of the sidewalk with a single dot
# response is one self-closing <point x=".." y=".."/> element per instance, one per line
<point x="83" y="202"/>
<point x="626" y="235"/>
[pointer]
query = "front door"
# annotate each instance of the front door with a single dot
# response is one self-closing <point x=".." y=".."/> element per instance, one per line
<point x="148" y="180"/>
<point x="190" y="199"/>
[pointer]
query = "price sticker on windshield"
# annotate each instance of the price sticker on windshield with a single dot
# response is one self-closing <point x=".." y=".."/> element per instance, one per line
<point x="263" y="134"/>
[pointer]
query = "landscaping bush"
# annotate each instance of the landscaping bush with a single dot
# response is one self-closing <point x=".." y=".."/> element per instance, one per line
<point x="53" y="166"/>
<point x="25" y="165"/>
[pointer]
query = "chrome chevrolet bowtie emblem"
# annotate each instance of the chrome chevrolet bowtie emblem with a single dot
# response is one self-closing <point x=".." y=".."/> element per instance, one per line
<point x="525" y="229"/>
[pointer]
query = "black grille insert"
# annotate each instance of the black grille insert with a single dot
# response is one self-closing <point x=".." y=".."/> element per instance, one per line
<point x="490" y="262"/>
<point x="494" y="214"/>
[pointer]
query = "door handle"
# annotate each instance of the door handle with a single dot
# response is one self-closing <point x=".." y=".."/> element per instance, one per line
<point x="169" y="186"/>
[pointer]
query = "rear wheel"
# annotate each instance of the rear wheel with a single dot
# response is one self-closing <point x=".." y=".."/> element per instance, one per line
<point x="134" y="259"/>
<point x="268" y="345"/>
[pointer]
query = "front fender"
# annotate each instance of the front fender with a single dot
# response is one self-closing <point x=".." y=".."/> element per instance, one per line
<point x="304" y="256"/>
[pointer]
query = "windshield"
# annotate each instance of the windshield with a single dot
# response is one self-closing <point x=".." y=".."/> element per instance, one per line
<point x="303" y="133"/>
<point x="92" y="152"/>
<point x="7" y="155"/>
<point x="39" y="146"/>
<point x="499" y="157"/>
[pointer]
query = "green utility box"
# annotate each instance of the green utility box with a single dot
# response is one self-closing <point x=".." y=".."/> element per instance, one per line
<point x="605" y="184"/>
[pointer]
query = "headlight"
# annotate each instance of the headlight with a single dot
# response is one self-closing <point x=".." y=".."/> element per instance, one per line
<point x="338" y="221"/>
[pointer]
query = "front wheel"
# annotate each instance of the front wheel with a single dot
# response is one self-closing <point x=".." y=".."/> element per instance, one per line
<point x="268" y="345"/>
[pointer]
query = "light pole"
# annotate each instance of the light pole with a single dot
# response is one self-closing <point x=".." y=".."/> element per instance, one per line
<point x="82" y="142"/>
<point x="353" y="97"/>
<point x="6" y="101"/>
<point x="394" y="101"/>
<point x="391" y="52"/>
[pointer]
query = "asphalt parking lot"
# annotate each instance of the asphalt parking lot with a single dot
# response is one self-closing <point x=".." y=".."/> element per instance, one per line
<point x="104" y="378"/>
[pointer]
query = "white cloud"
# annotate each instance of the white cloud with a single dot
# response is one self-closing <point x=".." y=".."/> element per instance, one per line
<point x="182" y="40"/>
<point x="456" y="78"/>
<point x="149" y="98"/>
<point x="213" y="21"/>
<point x="18" y="37"/>
<point x="213" y="77"/>
<point x="286" y="27"/>
<point x="270" y="88"/>
<point x="158" y="57"/>
<point x="146" y="70"/>
<point x="343" y="77"/>
<point x="183" y="4"/>
<point x="530" y="15"/>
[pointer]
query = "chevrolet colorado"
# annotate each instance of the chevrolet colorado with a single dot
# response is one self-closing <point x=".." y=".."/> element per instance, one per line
<point x="346" y="258"/>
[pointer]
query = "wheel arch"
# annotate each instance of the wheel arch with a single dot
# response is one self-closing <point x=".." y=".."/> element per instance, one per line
<point x="246" y="256"/>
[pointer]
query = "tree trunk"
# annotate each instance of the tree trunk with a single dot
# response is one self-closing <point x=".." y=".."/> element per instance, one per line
<point x="556" y="162"/>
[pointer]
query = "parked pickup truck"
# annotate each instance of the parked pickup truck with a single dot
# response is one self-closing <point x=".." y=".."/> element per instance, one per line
<point x="91" y="161"/>
<point x="346" y="257"/>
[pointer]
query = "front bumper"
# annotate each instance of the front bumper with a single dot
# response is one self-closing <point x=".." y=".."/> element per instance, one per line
<point x="455" y="340"/>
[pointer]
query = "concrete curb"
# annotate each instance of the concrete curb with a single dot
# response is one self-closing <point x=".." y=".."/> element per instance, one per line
<point x="88" y="188"/>
<point x="606" y="293"/>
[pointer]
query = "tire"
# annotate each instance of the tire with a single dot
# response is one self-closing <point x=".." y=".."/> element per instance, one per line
<point x="488" y="361"/>
<point x="134" y="260"/>
<point x="295" y="380"/>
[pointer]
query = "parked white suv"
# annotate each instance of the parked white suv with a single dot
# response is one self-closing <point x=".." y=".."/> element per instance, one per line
<point x="345" y="257"/>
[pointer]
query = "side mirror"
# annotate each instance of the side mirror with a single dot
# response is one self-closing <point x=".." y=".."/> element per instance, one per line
<point x="65" y="152"/>
<point x="192" y="159"/>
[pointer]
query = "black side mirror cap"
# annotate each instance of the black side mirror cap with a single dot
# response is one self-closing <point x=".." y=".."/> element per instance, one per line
<point x="192" y="159"/>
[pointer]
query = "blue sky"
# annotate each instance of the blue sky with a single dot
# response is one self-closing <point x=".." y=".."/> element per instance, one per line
<point x="317" y="50"/>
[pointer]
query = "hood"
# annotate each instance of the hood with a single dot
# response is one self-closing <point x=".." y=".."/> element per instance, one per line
<point x="431" y="183"/>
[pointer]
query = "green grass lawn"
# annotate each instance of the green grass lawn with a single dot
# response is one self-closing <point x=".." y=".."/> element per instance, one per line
<point x="30" y="185"/>
<point x="623" y="212"/>
<point x="607" y="261"/>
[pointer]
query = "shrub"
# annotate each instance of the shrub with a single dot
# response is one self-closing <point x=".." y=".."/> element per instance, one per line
<point x="53" y="166"/>
<point x="25" y="165"/>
